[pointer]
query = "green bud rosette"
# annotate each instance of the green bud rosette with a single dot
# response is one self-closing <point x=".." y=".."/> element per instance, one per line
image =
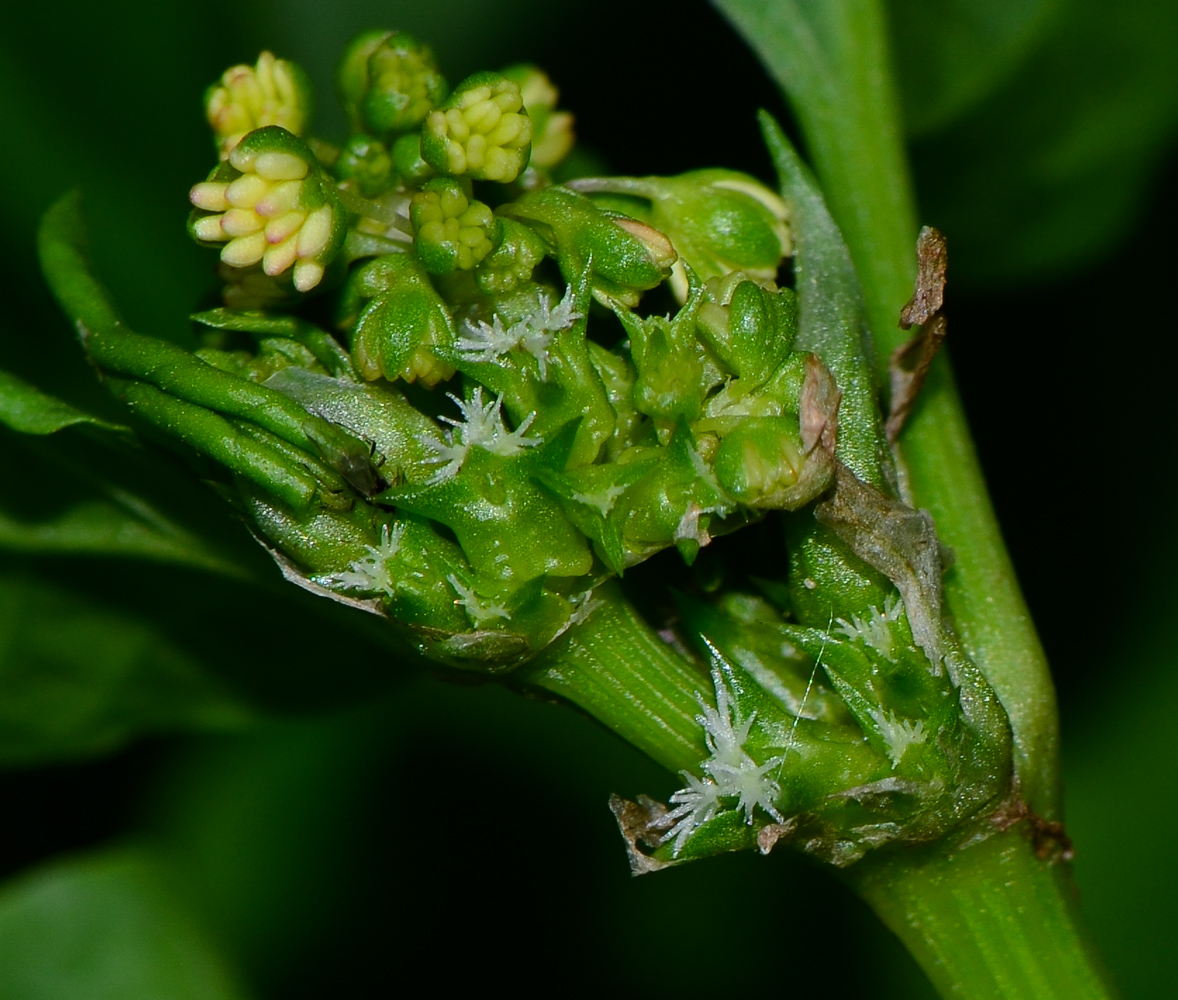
<point x="388" y="82"/>
<point x="453" y="231"/>
<point x="270" y="204"/>
<point x="482" y="131"/>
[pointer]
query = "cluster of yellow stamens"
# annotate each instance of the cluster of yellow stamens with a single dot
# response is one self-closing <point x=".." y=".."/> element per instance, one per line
<point x="262" y="217"/>
<point x="250" y="97"/>
<point x="482" y="133"/>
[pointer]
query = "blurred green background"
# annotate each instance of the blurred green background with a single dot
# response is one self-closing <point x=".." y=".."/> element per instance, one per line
<point x="336" y="819"/>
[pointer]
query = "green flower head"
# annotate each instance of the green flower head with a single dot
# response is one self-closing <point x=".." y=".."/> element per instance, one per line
<point x="453" y="231"/>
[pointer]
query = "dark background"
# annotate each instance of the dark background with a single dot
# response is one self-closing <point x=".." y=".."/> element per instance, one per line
<point x="464" y="830"/>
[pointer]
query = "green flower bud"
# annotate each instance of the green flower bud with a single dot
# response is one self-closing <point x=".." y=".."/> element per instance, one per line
<point x="482" y="131"/>
<point x="274" y="92"/>
<point x="762" y="457"/>
<point x="396" y="319"/>
<point x="670" y="385"/>
<point x="750" y="328"/>
<point x="388" y="82"/>
<point x="271" y="203"/>
<point x="718" y="220"/>
<point x="407" y="161"/>
<point x="512" y="262"/>
<point x="452" y="230"/>
<point x="627" y="256"/>
<point x="552" y="130"/>
<point x="366" y="163"/>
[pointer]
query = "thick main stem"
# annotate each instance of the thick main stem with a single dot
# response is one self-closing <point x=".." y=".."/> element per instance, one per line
<point x="988" y="922"/>
<point x="616" y="668"/>
<point x="831" y="59"/>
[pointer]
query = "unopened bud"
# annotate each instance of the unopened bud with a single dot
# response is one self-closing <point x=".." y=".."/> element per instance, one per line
<point x="627" y="256"/>
<point x="552" y="132"/>
<point x="367" y="164"/>
<point x="388" y="82"/>
<point x="399" y="319"/>
<point x="453" y="231"/>
<point x="761" y="457"/>
<point x="719" y="220"/>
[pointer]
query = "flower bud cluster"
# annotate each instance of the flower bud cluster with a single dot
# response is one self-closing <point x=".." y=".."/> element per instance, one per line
<point x="564" y="462"/>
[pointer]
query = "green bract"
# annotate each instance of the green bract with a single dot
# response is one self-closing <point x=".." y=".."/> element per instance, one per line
<point x="481" y="131"/>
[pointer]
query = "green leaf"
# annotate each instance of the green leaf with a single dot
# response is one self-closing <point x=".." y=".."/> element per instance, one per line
<point x="105" y="927"/>
<point x="950" y="54"/>
<point x="78" y="676"/>
<point x="832" y="319"/>
<point x="28" y="410"/>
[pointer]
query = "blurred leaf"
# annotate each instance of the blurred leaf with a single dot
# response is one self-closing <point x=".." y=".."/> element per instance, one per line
<point x="104" y="927"/>
<point x="95" y="652"/>
<point x="100" y="493"/>
<point x="1052" y="169"/>
<point x="28" y="410"/>
<point x="97" y="493"/>
<point x="949" y="54"/>
<point x="78" y="677"/>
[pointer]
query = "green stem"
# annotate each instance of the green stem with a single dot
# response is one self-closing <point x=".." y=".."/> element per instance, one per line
<point x="988" y="922"/>
<point x="616" y="668"/>
<point x="831" y="58"/>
